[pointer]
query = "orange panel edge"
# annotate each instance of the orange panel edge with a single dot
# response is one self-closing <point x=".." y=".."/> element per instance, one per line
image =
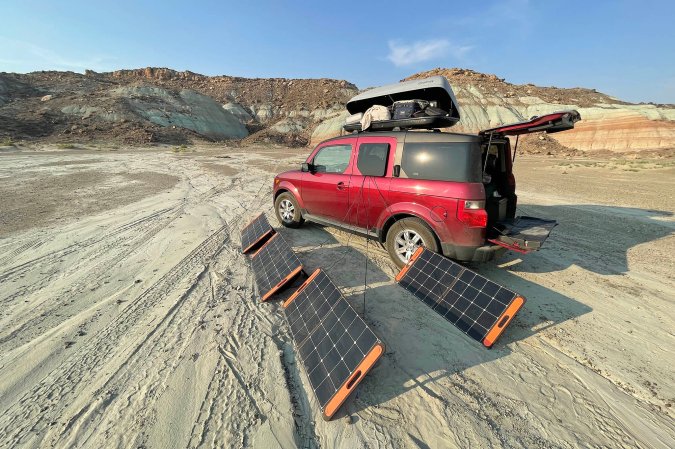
<point x="407" y="266"/>
<point x="503" y="321"/>
<point x="350" y="384"/>
<point x="301" y="288"/>
<point x="266" y="243"/>
<point x="281" y="283"/>
<point x="271" y="231"/>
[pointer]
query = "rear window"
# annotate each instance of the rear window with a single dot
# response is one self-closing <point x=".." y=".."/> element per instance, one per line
<point x="439" y="161"/>
<point x="372" y="160"/>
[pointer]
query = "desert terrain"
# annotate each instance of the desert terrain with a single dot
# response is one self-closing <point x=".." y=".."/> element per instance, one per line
<point x="129" y="318"/>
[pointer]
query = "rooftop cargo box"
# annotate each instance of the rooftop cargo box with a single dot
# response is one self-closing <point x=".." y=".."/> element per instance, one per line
<point x="434" y="89"/>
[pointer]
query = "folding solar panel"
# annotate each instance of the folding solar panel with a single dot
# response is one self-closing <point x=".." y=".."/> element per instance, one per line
<point x="254" y="233"/>
<point x="335" y="345"/>
<point x="274" y="265"/>
<point x="479" y="307"/>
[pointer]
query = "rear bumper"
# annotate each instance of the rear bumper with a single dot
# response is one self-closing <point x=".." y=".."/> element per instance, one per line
<point x="472" y="253"/>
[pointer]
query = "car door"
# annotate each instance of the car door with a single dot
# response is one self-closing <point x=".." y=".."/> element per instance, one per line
<point x="325" y="188"/>
<point x="370" y="181"/>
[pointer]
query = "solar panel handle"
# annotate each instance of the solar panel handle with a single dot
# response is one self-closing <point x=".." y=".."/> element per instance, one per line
<point x="353" y="380"/>
<point x="503" y="321"/>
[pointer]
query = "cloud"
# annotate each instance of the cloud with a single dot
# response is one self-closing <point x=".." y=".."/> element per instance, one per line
<point x="24" y="56"/>
<point x="402" y="54"/>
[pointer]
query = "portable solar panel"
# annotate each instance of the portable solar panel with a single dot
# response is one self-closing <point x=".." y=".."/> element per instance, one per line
<point x="479" y="307"/>
<point x="255" y="233"/>
<point x="335" y="345"/>
<point x="274" y="265"/>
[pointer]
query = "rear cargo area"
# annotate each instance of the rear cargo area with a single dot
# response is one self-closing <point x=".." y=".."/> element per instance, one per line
<point x="500" y="197"/>
<point x="505" y="228"/>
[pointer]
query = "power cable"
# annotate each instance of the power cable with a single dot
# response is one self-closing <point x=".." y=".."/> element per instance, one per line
<point x="358" y="205"/>
<point x="365" y="270"/>
<point x="320" y="245"/>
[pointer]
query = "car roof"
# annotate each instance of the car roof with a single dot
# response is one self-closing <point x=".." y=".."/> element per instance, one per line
<point x="413" y="136"/>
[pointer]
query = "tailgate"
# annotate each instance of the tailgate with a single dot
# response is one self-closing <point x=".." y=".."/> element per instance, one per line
<point x="523" y="234"/>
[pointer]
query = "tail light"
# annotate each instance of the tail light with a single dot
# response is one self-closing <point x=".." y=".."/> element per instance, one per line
<point x="472" y="213"/>
<point x="511" y="180"/>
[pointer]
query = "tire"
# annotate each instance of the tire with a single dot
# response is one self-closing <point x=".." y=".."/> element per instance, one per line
<point x="287" y="211"/>
<point x="408" y="233"/>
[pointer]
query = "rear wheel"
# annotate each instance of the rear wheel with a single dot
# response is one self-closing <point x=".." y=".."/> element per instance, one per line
<point x="405" y="236"/>
<point x="288" y="211"/>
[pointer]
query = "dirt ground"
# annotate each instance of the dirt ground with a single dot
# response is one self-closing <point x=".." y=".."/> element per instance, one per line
<point x="128" y="316"/>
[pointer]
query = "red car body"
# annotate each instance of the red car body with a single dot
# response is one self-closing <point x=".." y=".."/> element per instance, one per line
<point x="454" y="210"/>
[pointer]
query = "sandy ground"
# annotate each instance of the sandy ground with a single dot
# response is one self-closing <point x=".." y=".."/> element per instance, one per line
<point x="128" y="316"/>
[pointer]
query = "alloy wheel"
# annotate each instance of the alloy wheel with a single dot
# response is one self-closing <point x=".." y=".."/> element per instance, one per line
<point x="406" y="243"/>
<point x="286" y="210"/>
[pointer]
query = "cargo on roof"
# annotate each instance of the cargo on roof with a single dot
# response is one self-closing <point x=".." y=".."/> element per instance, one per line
<point x="435" y="90"/>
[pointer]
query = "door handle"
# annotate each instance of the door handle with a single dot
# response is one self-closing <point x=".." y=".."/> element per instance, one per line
<point x="340" y="185"/>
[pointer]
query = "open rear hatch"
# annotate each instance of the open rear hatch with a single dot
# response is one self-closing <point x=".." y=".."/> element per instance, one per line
<point x="550" y="123"/>
<point x="524" y="234"/>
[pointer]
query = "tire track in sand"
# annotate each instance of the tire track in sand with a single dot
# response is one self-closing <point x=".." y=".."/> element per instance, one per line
<point x="33" y="414"/>
<point x="91" y="269"/>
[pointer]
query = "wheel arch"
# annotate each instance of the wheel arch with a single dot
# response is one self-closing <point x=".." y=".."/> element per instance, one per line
<point x="279" y="192"/>
<point x="287" y="187"/>
<point x="399" y="216"/>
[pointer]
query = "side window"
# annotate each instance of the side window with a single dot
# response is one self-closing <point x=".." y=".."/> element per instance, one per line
<point x="372" y="159"/>
<point x="333" y="158"/>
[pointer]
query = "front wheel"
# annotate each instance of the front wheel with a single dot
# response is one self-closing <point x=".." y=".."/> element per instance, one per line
<point x="288" y="211"/>
<point x="405" y="236"/>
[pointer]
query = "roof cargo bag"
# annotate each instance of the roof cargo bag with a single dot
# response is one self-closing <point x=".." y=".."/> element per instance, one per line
<point x="354" y="118"/>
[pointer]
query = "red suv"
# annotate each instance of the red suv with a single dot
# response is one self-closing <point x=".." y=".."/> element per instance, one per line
<point x="452" y="193"/>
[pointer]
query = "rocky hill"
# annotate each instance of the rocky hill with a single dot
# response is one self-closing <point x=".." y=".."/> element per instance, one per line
<point x="163" y="105"/>
<point x="608" y="123"/>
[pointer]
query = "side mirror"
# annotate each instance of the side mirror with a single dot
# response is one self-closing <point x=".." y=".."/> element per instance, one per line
<point x="397" y="171"/>
<point x="306" y="167"/>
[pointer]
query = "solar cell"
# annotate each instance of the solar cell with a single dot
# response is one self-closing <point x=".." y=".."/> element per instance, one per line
<point x="479" y="307"/>
<point x="274" y="265"/>
<point x="255" y="233"/>
<point x="336" y="346"/>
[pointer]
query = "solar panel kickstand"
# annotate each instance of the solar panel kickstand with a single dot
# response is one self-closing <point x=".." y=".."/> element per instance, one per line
<point x="256" y="233"/>
<point x="299" y="280"/>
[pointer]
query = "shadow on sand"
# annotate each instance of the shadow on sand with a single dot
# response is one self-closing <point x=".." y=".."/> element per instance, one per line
<point x="422" y="347"/>
<point x="593" y="237"/>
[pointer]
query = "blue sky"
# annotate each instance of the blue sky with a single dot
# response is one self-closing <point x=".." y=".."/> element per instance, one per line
<point x="622" y="48"/>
